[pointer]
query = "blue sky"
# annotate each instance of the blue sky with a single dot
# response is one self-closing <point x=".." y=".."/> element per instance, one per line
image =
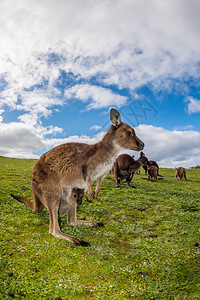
<point x="64" y="64"/>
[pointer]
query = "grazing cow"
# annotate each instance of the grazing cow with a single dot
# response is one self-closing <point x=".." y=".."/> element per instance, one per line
<point x="181" y="173"/>
<point x="126" y="166"/>
<point x="73" y="165"/>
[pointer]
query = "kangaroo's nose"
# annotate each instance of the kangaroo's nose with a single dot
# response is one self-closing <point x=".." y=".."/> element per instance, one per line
<point x="141" y="145"/>
<point x="79" y="201"/>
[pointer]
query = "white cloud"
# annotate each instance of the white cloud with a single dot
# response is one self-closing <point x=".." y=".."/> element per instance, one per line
<point x="193" y="105"/>
<point x="50" y="143"/>
<point x="1" y="112"/>
<point x="170" y="148"/>
<point x="126" y="43"/>
<point x="184" y="127"/>
<point x="98" y="96"/>
<point x="95" y="127"/>
<point x="19" y="140"/>
<point x="23" y="139"/>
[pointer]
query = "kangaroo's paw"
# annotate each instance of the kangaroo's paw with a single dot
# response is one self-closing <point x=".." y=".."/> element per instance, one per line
<point x="90" y="197"/>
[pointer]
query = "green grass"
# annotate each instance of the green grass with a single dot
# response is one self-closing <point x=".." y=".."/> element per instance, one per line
<point x="148" y="248"/>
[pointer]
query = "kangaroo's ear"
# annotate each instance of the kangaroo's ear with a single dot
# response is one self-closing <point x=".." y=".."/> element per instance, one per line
<point x="141" y="154"/>
<point x="115" y="117"/>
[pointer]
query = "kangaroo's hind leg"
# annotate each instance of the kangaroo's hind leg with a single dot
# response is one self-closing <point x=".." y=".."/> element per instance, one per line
<point x="72" y="219"/>
<point x="99" y="181"/>
<point x="128" y="180"/>
<point x="116" y="173"/>
<point x="37" y="197"/>
<point x="52" y="200"/>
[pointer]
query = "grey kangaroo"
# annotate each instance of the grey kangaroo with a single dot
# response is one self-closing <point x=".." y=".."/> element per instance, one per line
<point x="73" y="165"/>
<point x="180" y="173"/>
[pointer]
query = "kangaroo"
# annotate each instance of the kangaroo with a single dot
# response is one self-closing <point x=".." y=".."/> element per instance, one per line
<point x="181" y="173"/>
<point x="126" y="166"/>
<point x="152" y="172"/>
<point x="152" y="163"/>
<point x="75" y="199"/>
<point x="72" y="165"/>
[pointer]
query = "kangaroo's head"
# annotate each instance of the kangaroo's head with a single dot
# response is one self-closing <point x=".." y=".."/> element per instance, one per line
<point x="77" y="195"/>
<point x="123" y="135"/>
<point x="143" y="159"/>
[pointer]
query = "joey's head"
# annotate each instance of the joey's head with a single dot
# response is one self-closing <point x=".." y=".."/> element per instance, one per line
<point x="77" y="195"/>
<point x="143" y="159"/>
<point x="123" y="135"/>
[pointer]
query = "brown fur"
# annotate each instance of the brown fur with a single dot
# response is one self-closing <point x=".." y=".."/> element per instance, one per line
<point x="126" y="166"/>
<point x="75" y="199"/>
<point x="152" y="163"/>
<point x="181" y="173"/>
<point x="152" y="172"/>
<point x="73" y="165"/>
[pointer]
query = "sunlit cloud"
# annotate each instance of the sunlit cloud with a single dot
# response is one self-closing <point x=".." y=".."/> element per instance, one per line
<point x="127" y="44"/>
<point x="193" y="105"/>
<point x="95" y="127"/>
<point x="184" y="127"/>
<point x="98" y="97"/>
<point x="170" y="148"/>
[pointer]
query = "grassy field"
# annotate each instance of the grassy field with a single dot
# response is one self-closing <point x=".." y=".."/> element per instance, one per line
<point x="148" y="248"/>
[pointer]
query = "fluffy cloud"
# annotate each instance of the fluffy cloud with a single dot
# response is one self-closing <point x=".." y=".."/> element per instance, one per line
<point x="98" y="96"/>
<point x="193" y="105"/>
<point x="170" y="148"/>
<point x="95" y="127"/>
<point x="1" y="112"/>
<point x="74" y="139"/>
<point x="19" y="140"/>
<point x="186" y="127"/>
<point x="126" y="43"/>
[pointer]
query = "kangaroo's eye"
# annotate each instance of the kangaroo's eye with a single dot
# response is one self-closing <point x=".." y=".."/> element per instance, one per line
<point x="74" y="195"/>
<point x="128" y="133"/>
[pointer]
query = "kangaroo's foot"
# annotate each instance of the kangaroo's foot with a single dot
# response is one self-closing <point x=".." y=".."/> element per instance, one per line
<point x="90" y="197"/>
<point x="70" y="238"/>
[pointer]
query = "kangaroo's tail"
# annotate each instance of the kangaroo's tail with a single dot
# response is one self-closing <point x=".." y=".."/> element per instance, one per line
<point x="27" y="202"/>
